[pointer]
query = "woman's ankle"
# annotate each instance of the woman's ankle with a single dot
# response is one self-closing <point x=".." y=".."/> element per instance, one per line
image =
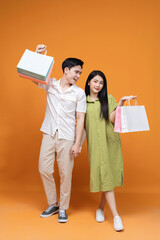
<point x="101" y="207"/>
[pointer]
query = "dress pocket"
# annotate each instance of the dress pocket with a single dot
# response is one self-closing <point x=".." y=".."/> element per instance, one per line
<point x="113" y="136"/>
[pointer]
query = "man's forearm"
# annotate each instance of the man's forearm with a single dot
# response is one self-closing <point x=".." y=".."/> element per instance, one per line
<point x="79" y="128"/>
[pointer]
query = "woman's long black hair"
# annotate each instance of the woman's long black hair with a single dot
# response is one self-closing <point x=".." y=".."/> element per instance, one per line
<point x="102" y="95"/>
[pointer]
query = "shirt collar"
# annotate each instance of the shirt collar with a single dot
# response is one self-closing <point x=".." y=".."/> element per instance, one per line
<point x="89" y="100"/>
<point x="71" y="88"/>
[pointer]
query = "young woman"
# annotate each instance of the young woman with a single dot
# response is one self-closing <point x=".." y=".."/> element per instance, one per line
<point x="104" y="145"/>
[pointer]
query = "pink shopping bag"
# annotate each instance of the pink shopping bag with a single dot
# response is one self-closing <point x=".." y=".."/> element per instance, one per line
<point x="118" y="125"/>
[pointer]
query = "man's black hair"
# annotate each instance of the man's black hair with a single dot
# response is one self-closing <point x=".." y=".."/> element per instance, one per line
<point x="71" y="62"/>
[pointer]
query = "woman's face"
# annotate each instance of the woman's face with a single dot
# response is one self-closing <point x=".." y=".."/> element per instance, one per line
<point x="96" y="84"/>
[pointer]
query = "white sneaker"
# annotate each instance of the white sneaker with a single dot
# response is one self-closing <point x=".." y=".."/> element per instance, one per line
<point x="100" y="215"/>
<point x="118" y="226"/>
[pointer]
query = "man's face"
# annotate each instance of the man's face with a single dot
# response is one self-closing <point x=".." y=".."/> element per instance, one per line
<point x="72" y="75"/>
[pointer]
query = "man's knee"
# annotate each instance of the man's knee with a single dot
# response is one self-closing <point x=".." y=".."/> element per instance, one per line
<point x="43" y="170"/>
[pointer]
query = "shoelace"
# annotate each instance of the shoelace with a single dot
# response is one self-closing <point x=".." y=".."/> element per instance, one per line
<point x="117" y="220"/>
<point x="62" y="213"/>
<point x="49" y="208"/>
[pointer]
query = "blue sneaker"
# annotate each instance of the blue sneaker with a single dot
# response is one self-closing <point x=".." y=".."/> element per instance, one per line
<point x="62" y="216"/>
<point x="52" y="209"/>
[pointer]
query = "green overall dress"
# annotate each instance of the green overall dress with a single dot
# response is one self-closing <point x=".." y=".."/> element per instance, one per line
<point x="104" y="148"/>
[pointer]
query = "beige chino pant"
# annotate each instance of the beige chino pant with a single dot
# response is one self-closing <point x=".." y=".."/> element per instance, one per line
<point x="50" y="147"/>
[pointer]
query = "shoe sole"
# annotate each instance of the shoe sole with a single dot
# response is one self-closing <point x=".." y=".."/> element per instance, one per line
<point x="62" y="221"/>
<point x="119" y="230"/>
<point x="100" y="221"/>
<point x="45" y="216"/>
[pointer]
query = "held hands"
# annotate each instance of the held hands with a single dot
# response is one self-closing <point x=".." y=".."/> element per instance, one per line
<point x="41" y="48"/>
<point x="75" y="150"/>
<point x="80" y="148"/>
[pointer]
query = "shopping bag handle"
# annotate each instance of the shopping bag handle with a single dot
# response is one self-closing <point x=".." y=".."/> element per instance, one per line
<point x="128" y="102"/>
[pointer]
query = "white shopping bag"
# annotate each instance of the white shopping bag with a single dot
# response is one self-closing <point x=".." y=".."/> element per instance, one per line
<point x="134" y="119"/>
<point x="34" y="66"/>
<point x="131" y="119"/>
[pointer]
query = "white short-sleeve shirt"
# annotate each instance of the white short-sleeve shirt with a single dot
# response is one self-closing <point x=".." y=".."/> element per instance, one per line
<point x="61" y="109"/>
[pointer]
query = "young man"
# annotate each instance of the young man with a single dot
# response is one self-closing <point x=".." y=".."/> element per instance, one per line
<point x="66" y="103"/>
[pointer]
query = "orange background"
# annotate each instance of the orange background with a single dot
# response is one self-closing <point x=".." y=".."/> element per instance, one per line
<point x="120" y="38"/>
